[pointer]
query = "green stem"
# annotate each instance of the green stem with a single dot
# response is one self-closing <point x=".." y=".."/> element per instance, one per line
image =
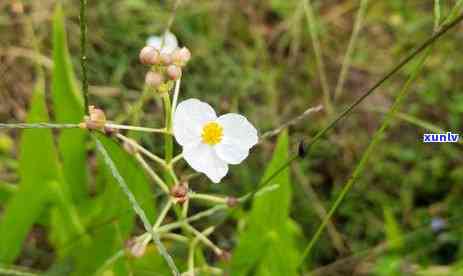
<point x="209" y="198"/>
<point x="163" y="214"/>
<point x="137" y="128"/>
<point x="169" y="144"/>
<point x="350" y="49"/>
<point x="83" y="46"/>
<point x="311" y="21"/>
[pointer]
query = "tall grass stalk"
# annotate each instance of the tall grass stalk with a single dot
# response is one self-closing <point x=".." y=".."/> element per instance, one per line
<point x="366" y="155"/>
<point x="83" y="51"/>
<point x="350" y="48"/>
<point x="312" y="23"/>
<point x="136" y="207"/>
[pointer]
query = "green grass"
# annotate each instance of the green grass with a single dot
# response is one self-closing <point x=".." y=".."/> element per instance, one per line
<point x="269" y="60"/>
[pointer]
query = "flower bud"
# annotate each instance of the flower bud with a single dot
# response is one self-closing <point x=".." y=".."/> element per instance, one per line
<point x="96" y="120"/>
<point x="149" y="56"/>
<point x="181" y="56"/>
<point x="166" y="58"/>
<point x="154" y="79"/>
<point x="179" y="193"/>
<point x="136" y="247"/>
<point x="174" y="72"/>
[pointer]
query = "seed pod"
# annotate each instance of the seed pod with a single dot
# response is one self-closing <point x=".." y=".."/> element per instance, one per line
<point x="149" y="56"/>
<point x="154" y="79"/>
<point x="174" y="72"/>
<point x="180" y="193"/>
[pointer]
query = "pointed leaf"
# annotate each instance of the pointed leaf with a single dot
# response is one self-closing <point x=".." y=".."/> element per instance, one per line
<point x="38" y="166"/>
<point x="68" y="108"/>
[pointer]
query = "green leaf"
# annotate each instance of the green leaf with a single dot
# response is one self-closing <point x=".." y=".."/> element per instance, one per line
<point x="7" y="191"/>
<point x="267" y="245"/>
<point x="115" y="211"/>
<point x="393" y="232"/>
<point x="38" y="165"/>
<point x="68" y="108"/>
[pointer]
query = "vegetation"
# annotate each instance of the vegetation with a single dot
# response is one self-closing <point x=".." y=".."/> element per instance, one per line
<point x="367" y="198"/>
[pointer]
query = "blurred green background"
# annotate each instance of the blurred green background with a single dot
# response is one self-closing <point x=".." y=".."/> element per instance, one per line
<point x="403" y="215"/>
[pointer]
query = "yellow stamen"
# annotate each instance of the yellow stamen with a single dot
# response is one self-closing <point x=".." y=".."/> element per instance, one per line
<point x="212" y="133"/>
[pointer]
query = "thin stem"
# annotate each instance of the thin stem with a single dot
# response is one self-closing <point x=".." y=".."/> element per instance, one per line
<point x="172" y="174"/>
<point x="200" y="236"/>
<point x="291" y="122"/>
<point x="169" y="146"/>
<point x="350" y="49"/>
<point x="185" y="208"/>
<point x="163" y="214"/>
<point x="37" y="125"/>
<point x="136" y="207"/>
<point x="138" y="128"/>
<point x="172" y="17"/>
<point x="176" y="159"/>
<point x="83" y="46"/>
<point x="311" y="21"/>
<point x="175" y="97"/>
<point x="141" y="149"/>
<point x="175" y="237"/>
<point x="206" y="197"/>
<point x="191" y="250"/>
<point x="152" y="173"/>
<point x="361" y="165"/>
<point x="436" y="15"/>
<point x="109" y="262"/>
<point x="200" y="215"/>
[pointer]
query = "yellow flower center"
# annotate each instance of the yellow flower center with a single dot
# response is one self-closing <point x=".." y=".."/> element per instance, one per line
<point x="212" y="133"/>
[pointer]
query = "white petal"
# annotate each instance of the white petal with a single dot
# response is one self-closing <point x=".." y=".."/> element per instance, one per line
<point x="189" y="119"/>
<point x="231" y="152"/>
<point x="170" y="43"/>
<point x="237" y="130"/>
<point x="202" y="158"/>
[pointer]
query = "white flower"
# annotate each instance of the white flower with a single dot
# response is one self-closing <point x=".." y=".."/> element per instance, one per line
<point x="210" y="143"/>
<point x="169" y="46"/>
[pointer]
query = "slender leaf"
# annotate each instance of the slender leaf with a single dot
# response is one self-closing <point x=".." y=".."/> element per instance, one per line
<point x="35" y="175"/>
<point x="68" y="108"/>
